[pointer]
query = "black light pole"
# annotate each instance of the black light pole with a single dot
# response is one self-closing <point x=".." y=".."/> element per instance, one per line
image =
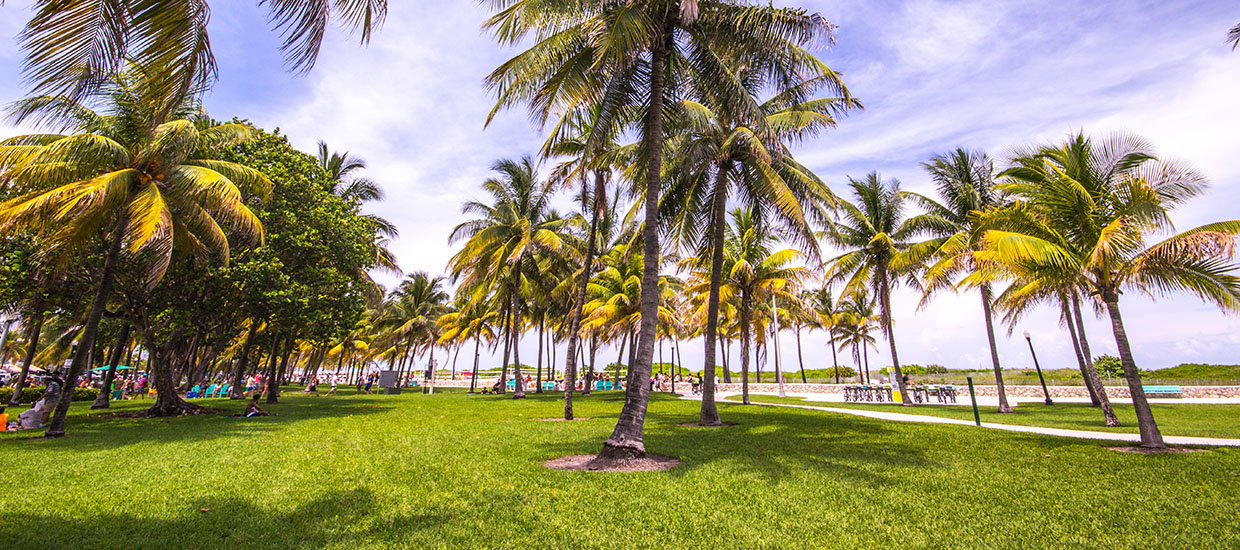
<point x="1045" y="393"/>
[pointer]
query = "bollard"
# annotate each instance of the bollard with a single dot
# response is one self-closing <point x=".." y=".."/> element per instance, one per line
<point x="977" y="418"/>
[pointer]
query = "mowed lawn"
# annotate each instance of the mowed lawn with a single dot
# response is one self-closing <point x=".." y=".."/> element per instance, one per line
<point x="1187" y="419"/>
<point x="466" y="471"/>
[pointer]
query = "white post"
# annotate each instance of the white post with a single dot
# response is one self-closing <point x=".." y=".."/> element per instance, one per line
<point x="779" y="375"/>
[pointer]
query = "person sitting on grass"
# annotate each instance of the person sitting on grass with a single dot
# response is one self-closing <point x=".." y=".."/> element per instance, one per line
<point x="253" y="409"/>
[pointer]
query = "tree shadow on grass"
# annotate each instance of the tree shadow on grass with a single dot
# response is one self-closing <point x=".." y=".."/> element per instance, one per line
<point x="106" y="429"/>
<point x="343" y="518"/>
<point x="773" y="444"/>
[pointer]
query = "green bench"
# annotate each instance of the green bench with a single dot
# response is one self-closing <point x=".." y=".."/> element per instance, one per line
<point x="1161" y="391"/>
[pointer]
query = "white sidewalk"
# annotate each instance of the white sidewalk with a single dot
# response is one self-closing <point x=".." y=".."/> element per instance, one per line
<point x="1081" y="434"/>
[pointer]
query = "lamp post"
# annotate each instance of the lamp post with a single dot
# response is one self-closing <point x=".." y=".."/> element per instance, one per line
<point x="1045" y="393"/>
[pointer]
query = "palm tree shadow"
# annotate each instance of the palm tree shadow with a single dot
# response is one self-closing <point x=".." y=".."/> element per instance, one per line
<point x="343" y="517"/>
<point x="773" y="445"/>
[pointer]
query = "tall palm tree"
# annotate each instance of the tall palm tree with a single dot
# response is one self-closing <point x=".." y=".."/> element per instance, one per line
<point x="501" y="243"/>
<point x="966" y="185"/>
<point x="147" y="192"/>
<point x="754" y="272"/>
<point x="73" y="49"/>
<point x="724" y="147"/>
<point x="619" y="54"/>
<point x="471" y="321"/>
<point x="825" y="316"/>
<point x="877" y="240"/>
<point x="1086" y="209"/>
<point x="856" y="321"/>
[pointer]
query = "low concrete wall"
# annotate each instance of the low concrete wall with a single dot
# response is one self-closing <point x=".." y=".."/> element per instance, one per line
<point x="982" y="391"/>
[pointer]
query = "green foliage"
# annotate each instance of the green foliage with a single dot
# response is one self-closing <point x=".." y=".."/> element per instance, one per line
<point x="1196" y="370"/>
<point x="1109" y="365"/>
<point x="30" y="394"/>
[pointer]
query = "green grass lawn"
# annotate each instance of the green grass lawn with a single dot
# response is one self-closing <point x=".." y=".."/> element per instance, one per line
<point x="453" y="470"/>
<point x="1189" y="419"/>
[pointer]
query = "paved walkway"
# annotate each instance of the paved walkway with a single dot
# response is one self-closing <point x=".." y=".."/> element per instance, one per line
<point x="1081" y="434"/>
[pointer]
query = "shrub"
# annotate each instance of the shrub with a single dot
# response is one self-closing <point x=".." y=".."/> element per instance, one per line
<point x="1109" y="365"/>
<point x="936" y="369"/>
<point x="31" y="394"/>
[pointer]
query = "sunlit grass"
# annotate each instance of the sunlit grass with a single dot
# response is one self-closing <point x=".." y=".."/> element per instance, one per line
<point x="457" y="470"/>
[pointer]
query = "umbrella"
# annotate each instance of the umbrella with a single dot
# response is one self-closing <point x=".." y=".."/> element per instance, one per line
<point x="15" y="369"/>
<point x="102" y="369"/>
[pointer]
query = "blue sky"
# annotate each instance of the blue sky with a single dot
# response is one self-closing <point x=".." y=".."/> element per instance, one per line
<point x="933" y="75"/>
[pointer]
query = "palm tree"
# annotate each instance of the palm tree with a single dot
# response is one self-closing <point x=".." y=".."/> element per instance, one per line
<point x="878" y="251"/>
<point x="148" y="192"/>
<point x="966" y="185"/>
<point x="742" y="146"/>
<point x="73" y="49"/>
<point x="500" y="245"/>
<point x="1233" y="36"/>
<point x="578" y="59"/>
<point x="856" y="321"/>
<point x="824" y="315"/>
<point x="470" y="321"/>
<point x="1086" y="209"/>
<point x="754" y="272"/>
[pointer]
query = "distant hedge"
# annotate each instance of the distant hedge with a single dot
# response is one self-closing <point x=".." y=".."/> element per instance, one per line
<point x="33" y="393"/>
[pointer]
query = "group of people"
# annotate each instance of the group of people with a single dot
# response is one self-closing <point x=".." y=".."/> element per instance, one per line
<point x="363" y="383"/>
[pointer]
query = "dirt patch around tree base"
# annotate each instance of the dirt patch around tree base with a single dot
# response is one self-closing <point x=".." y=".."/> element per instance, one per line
<point x="560" y="419"/>
<point x="591" y="463"/>
<point x="1146" y="451"/>
<point x="696" y="425"/>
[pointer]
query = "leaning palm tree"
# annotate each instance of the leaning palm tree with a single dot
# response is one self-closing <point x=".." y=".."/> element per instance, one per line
<point x="1086" y="209"/>
<point x="618" y="54"/>
<point x="966" y="185"/>
<point x="878" y="249"/>
<point x="147" y="193"/>
<point x="500" y="244"/>
<point x="73" y="49"/>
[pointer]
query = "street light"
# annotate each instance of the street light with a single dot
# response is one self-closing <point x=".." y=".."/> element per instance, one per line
<point x="1045" y="393"/>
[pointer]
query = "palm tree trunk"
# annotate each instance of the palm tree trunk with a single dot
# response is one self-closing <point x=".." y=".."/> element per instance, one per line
<point x="834" y="359"/>
<point x="745" y="345"/>
<point x="885" y="289"/>
<point x="620" y="358"/>
<point x="709" y="415"/>
<point x="455" y="354"/>
<point x="1151" y="438"/>
<point x="590" y="373"/>
<point x="1088" y="373"/>
<point x="727" y="367"/>
<point x="56" y="428"/>
<point x="1098" y="393"/>
<point x="865" y="353"/>
<point x="506" y="329"/>
<point x="538" y="381"/>
<point x="273" y="363"/>
<point x="32" y="345"/>
<point x="574" y="320"/>
<point x="994" y="350"/>
<point x="473" y="379"/>
<point x="626" y="438"/>
<point x="277" y="374"/>
<point x="515" y="329"/>
<point x="800" y="358"/>
<point x="237" y="388"/>
<point x="105" y="391"/>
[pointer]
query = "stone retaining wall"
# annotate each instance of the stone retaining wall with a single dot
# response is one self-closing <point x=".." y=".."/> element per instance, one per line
<point x="963" y="390"/>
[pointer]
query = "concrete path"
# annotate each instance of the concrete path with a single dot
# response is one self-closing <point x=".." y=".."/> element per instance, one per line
<point x="1080" y="434"/>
